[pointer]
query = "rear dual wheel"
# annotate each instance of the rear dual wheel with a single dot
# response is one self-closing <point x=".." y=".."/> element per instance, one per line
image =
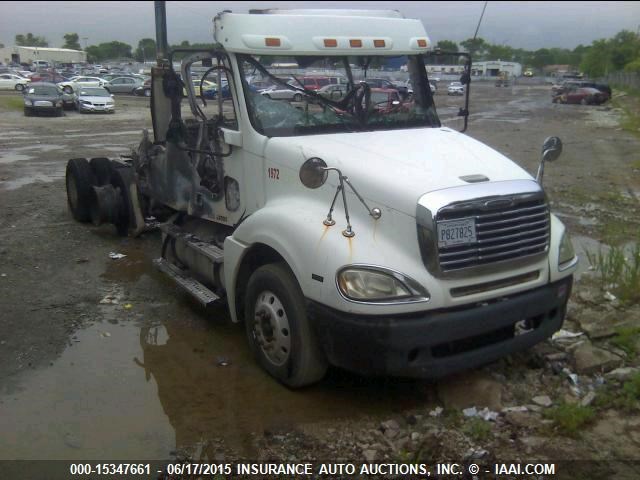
<point x="80" y="180"/>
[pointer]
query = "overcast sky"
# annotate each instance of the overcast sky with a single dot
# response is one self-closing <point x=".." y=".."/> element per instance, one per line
<point x="529" y="25"/>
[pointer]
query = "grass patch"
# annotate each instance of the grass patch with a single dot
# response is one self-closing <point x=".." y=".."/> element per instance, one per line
<point x="11" y="103"/>
<point x="568" y="419"/>
<point x="626" y="339"/>
<point x="619" y="271"/>
<point x="631" y="120"/>
<point x="478" y="429"/>
<point x="626" y="399"/>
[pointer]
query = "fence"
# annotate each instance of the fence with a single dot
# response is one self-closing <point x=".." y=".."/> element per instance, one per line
<point x="623" y="79"/>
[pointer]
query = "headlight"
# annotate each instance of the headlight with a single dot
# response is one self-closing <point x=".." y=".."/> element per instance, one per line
<point x="28" y="102"/>
<point x="374" y="284"/>
<point x="84" y="102"/>
<point x="566" y="253"/>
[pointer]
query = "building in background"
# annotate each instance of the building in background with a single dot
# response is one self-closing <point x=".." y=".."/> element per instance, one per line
<point x="493" y="68"/>
<point x="35" y="55"/>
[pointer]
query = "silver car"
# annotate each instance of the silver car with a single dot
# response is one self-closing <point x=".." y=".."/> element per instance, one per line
<point x="124" y="84"/>
<point x="279" y="92"/>
<point x="94" y="99"/>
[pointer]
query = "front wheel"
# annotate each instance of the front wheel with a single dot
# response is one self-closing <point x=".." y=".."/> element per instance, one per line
<point x="19" y="87"/>
<point x="297" y="97"/>
<point x="584" y="101"/>
<point x="67" y="89"/>
<point x="278" y="329"/>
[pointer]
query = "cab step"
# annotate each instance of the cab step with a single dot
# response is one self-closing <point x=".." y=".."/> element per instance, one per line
<point x="189" y="284"/>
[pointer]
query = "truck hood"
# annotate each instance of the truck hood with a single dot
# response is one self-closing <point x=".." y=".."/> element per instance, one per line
<point x="395" y="168"/>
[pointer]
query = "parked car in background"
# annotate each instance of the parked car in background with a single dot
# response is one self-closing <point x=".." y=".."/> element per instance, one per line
<point x="334" y="91"/>
<point x="73" y="84"/>
<point x="583" y="96"/>
<point x="455" y="88"/>
<point x="48" y="78"/>
<point x="124" y="84"/>
<point x="143" y="90"/>
<point x="94" y="99"/>
<point x="11" y="81"/>
<point x="385" y="100"/>
<point x="43" y="98"/>
<point x="279" y="92"/>
<point x="313" y="82"/>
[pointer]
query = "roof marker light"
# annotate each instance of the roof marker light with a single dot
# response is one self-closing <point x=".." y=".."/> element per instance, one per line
<point x="272" y="42"/>
<point x="355" y="43"/>
<point x="330" y="42"/>
<point x="379" y="43"/>
<point x="422" y="43"/>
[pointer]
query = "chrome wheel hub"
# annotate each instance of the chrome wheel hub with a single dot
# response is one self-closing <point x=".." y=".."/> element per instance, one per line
<point x="271" y="327"/>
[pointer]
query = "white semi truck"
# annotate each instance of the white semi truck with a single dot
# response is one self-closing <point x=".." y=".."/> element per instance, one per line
<point x="356" y="231"/>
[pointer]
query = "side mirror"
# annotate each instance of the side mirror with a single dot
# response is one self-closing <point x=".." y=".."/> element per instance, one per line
<point x="551" y="150"/>
<point x="313" y="173"/>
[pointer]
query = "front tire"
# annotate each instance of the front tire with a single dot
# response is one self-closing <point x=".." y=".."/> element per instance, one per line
<point x="68" y="89"/>
<point x="278" y="329"/>
<point x="297" y="97"/>
<point x="19" y="87"/>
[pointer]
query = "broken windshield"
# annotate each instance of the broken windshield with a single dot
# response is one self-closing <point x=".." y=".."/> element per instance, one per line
<point x="308" y="95"/>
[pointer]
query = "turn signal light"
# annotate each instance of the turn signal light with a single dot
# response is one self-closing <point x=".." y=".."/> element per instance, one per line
<point x="422" y="43"/>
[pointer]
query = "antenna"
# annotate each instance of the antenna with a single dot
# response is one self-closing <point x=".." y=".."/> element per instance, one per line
<point x="480" y="21"/>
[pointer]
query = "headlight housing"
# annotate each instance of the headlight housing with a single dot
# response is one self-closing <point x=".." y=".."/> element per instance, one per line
<point x="28" y="102"/>
<point x="566" y="254"/>
<point x="364" y="283"/>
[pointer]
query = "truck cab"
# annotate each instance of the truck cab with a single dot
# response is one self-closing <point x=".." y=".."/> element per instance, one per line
<point x="375" y="240"/>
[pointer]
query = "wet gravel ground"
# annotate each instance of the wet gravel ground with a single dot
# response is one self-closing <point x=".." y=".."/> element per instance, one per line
<point x="104" y="359"/>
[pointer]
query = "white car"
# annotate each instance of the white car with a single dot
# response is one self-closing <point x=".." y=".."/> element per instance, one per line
<point x="455" y="88"/>
<point x="78" y="82"/>
<point x="94" y="99"/>
<point x="10" y="81"/>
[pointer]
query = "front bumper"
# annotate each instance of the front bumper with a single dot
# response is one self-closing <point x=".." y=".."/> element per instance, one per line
<point x="43" y="109"/>
<point x="433" y="344"/>
<point x="94" y="108"/>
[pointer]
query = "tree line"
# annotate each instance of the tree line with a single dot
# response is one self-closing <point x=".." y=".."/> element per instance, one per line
<point x="621" y="52"/>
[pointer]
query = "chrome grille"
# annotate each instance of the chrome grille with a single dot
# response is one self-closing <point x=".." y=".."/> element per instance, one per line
<point x="507" y="228"/>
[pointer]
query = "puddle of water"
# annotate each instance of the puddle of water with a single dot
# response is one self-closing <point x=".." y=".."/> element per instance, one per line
<point x="40" y="146"/>
<point x="82" y="406"/>
<point x="103" y="134"/>
<point x="27" y="180"/>
<point x="149" y="378"/>
<point x="11" y="157"/>
<point x="13" y="133"/>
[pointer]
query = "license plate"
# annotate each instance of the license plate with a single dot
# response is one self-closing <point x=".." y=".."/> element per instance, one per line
<point x="456" y="232"/>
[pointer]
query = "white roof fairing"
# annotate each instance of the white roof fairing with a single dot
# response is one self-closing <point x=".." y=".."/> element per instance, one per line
<point x="303" y="33"/>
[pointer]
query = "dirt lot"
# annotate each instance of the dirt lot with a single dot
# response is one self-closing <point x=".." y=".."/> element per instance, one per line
<point x="105" y="359"/>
